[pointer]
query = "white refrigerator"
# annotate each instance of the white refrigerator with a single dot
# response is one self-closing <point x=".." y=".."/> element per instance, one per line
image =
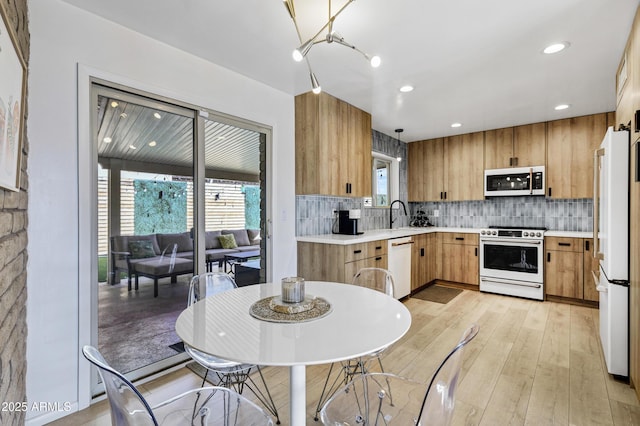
<point x="611" y="246"/>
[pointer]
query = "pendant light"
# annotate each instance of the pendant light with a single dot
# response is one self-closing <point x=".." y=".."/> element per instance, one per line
<point x="398" y="150"/>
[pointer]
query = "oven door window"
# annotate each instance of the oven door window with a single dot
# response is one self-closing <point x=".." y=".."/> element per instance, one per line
<point x="512" y="258"/>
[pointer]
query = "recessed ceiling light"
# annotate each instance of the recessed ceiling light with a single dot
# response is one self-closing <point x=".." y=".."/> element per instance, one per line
<point x="132" y="147"/>
<point x="456" y="125"/>
<point x="107" y="140"/>
<point x="114" y="104"/>
<point x="555" y="47"/>
<point x="406" y="89"/>
<point x="152" y="143"/>
<point x="561" y="107"/>
<point x="123" y="115"/>
<point x="157" y="115"/>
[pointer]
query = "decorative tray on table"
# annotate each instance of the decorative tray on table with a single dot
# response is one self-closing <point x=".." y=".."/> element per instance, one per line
<point x="274" y="309"/>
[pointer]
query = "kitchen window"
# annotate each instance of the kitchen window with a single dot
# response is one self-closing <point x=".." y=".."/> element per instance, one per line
<point x="386" y="179"/>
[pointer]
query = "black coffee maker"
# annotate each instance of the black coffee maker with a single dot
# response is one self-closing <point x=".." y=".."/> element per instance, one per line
<point x="348" y="222"/>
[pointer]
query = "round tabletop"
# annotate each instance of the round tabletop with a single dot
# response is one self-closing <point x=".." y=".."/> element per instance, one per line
<point x="361" y="321"/>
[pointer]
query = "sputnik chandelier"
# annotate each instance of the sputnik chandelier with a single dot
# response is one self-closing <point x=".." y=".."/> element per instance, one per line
<point x="331" y="36"/>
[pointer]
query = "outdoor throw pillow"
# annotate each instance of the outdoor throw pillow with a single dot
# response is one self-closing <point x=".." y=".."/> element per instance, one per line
<point x="141" y="249"/>
<point x="227" y="241"/>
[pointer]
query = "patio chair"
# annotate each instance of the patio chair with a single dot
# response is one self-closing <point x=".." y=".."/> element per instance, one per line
<point x="227" y="373"/>
<point x="366" y="400"/>
<point x="376" y="279"/>
<point x="201" y="406"/>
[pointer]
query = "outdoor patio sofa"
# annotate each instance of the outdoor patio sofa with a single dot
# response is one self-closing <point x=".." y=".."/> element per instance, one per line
<point x="151" y="255"/>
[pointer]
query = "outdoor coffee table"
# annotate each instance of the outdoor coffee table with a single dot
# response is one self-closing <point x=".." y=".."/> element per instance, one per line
<point x="240" y="257"/>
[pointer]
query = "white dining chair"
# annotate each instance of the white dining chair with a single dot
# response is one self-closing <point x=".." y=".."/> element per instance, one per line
<point x="378" y="279"/>
<point x="226" y="373"/>
<point x="366" y="399"/>
<point x="211" y="406"/>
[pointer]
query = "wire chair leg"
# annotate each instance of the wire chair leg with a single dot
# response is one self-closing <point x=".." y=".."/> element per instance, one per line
<point x="264" y="397"/>
<point x="387" y="380"/>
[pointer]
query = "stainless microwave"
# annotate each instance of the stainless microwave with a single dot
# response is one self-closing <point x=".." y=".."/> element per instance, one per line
<point x="514" y="181"/>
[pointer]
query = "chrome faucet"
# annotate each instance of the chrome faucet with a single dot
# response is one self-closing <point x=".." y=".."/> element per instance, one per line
<point x="391" y="211"/>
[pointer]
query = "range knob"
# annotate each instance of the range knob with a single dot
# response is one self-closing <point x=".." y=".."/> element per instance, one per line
<point x="526" y="234"/>
<point x="494" y="232"/>
<point x="538" y="234"/>
<point x="483" y="232"/>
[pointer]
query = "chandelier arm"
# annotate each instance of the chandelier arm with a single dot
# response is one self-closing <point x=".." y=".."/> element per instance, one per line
<point x="331" y="19"/>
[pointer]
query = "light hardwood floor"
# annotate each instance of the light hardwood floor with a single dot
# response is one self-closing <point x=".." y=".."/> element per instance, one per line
<point x="532" y="363"/>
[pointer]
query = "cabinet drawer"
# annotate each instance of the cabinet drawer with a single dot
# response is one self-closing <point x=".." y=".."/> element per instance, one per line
<point x="356" y="252"/>
<point x="459" y="238"/>
<point x="563" y="244"/>
<point x="377" y="248"/>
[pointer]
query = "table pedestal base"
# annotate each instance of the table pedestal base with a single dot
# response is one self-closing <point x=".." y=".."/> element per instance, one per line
<point x="298" y="396"/>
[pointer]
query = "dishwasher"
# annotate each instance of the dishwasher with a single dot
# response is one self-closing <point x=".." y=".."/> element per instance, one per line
<point x="399" y="264"/>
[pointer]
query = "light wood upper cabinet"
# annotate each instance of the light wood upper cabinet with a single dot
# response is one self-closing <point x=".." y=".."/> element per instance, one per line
<point x="425" y="165"/>
<point x="520" y="146"/>
<point x="570" y="146"/>
<point x="464" y="167"/>
<point x="498" y="148"/>
<point x="333" y="147"/>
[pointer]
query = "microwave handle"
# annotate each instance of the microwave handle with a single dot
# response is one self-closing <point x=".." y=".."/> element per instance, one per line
<point x="531" y="180"/>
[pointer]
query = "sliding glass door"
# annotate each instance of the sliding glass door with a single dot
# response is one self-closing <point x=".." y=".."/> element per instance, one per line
<point x="173" y="183"/>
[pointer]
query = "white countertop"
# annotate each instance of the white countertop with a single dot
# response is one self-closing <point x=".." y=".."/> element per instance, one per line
<point x="387" y="234"/>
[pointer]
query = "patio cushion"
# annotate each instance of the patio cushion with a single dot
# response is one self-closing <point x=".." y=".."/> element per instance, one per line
<point x="240" y="235"/>
<point x="183" y="240"/>
<point x="227" y="241"/>
<point x="141" y="249"/>
<point x="121" y="242"/>
<point x="254" y="236"/>
<point x="211" y="240"/>
<point x="162" y="266"/>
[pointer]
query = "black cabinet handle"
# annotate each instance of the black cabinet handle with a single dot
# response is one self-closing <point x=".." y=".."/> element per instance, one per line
<point x="548" y="257"/>
<point x="515" y="161"/>
<point x="421" y="252"/>
<point x="510" y="161"/>
<point x="460" y="238"/>
<point x="378" y="258"/>
<point x="565" y="244"/>
<point x="445" y="195"/>
<point x="378" y="247"/>
<point x="586" y="245"/>
<point x="476" y="251"/>
<point x="441" y="195"/>
<point x="357" y="251"/>
<point x="549" y="191"/>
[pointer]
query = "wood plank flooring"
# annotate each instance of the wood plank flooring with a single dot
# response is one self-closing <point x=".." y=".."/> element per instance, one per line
<point x="532" y="363"/>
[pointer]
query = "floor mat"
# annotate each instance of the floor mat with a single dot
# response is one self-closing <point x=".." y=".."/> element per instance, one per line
<point x="438" y="294"/>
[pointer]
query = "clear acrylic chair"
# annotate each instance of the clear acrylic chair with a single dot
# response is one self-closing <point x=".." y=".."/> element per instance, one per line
<point x="376" y="279"/>
<point x="201" y="406"/>
<point x="228" y="374"/>
<point x="366" y="400"/>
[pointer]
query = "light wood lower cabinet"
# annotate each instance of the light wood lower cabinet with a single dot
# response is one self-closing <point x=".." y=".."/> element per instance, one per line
<point x="459" y="257"/>
<point x="424" y="260"/>
<point x="339" y="263"/>
<point x="568" y="268"/>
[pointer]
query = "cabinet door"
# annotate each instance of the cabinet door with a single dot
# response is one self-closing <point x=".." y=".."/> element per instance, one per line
<point x="460" y="263"/>
<point x="530" y="145"/>
<point x="464" y="167"/>
<point x="570" y="146"/>
<point x="498" y="148"/>
<point x="419" y="261"/>
<point x="416" y="171"/>
<point x="359" y="152"/>
<point x="563" y="274"/>
<point x="590" y="264"/>
<point x="352" y="268"/>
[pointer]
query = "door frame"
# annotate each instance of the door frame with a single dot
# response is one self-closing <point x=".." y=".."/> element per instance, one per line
<point x="87" y="202"/>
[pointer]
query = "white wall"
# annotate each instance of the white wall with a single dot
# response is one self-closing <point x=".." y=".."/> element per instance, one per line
<point x="63" y="40"/>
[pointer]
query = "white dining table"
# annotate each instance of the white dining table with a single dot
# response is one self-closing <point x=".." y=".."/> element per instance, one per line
<point x="360" y="321"/>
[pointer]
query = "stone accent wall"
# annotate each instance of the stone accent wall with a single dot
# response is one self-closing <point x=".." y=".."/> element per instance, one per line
<point x="13" y="261"/>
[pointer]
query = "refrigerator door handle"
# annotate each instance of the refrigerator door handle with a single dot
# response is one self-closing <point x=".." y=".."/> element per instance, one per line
<point x="596" y="202"/>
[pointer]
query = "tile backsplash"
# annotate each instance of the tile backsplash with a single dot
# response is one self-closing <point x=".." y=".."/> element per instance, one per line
<point x="314" y="213"/>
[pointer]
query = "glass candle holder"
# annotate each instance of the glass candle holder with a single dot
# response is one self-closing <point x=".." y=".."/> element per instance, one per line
<point x="293" y="289"/>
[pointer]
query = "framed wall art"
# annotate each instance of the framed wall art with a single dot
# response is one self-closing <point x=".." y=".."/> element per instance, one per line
<point x="13" y="70"/>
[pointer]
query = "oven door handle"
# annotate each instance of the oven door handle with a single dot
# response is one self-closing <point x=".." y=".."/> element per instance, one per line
<point x="519" y="242"/>
<point x="520" y="283"/>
